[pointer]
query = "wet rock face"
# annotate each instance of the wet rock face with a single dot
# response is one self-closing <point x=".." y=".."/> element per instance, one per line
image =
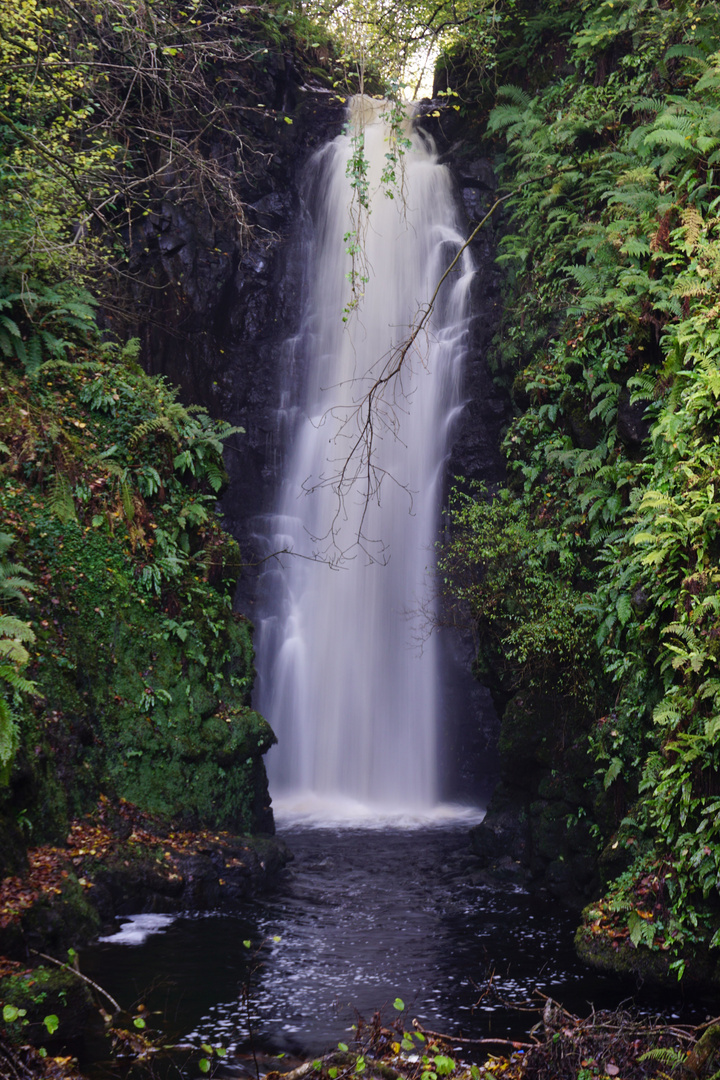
<point x="221" y="312"/>
<point x="220" y="322"/>
<point x="214" y="303"/>
<point x="541" y="812"/>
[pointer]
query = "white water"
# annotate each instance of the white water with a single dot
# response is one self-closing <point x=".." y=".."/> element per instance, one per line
<point x="352" y="696"/>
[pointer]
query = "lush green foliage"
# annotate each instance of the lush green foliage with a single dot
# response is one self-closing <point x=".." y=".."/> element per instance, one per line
<point x="611" y="338"/>
<point x="521" y="577"/>
<point x="108" y="112"/>
<point x="109" y="485"/>
<point x="15" y="635"/>
<point x="122" y="665"/>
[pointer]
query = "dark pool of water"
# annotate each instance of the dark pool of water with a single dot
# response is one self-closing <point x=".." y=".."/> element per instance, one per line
<point x="363" y="917"/>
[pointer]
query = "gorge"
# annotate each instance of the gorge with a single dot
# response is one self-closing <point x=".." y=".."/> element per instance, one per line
<point x="187" y="225"/>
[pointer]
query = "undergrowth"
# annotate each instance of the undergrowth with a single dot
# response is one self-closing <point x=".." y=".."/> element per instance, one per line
<point x="601" y="561"/>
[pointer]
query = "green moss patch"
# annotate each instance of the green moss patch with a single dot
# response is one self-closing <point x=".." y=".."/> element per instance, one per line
<point x="141" y="670"/>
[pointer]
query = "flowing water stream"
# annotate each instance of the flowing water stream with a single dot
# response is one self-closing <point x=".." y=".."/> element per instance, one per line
<point x="365" y="915"/>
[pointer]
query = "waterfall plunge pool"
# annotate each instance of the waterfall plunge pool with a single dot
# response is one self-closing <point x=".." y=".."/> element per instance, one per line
<point x="363" y="915"/>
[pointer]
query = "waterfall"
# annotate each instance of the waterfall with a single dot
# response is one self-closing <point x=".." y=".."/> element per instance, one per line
<point x="347" y="674"/>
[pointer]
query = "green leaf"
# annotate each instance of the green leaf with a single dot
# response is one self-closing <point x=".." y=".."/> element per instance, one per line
<point x="342" y="1046"/>
<point x="612" y="773"/>
<point x="51" y="1022"/>
<point x="204" y="1065"/>
<point x="399" y="1004"/>
<point x="624" y="609"/>
<point x="139" y="1022"/>
<point x="635" y="926"/>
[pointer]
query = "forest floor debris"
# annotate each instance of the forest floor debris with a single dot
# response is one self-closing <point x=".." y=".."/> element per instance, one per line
<point x="117" y="841"/>
<point x="560" y="1046"/>
<point x="617" y="1045"/>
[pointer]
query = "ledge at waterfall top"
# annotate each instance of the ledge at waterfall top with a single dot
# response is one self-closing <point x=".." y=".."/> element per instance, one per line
<point x="344" y="675"/>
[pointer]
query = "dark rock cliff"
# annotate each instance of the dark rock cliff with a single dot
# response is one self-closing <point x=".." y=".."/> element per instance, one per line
<point x="214" y="313"/>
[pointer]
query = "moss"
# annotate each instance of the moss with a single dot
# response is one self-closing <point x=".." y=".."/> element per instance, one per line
<point x="549" y="825"/>
<point x="620" y="957"/>
<point x="202" y="771"/>
<point x="143" y="669"/>
<point x="522" y="737"/>
<point x="55" y="923"/>
<point x="42" y="992"/>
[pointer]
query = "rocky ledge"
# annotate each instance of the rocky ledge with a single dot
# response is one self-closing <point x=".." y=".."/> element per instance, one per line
<point x="119" y="860"/>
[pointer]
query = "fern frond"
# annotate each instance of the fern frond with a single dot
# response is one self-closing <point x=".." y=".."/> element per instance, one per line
<point x="150" y="427"/>
<point x="15" y="629"/>
<point x="60" y="501"/>
<point x="516" y="94"/>
<point x="8" y="736"/>
<point x="127" y="501"/>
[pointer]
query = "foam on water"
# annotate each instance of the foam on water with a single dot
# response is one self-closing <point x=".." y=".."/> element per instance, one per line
<point x="308" y="810"/>
<point x="138" y="928"/>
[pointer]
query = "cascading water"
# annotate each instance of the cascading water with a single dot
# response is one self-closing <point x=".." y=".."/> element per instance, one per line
<point x="343" y="678"/>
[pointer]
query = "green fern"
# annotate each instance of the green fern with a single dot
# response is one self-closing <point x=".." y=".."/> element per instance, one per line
<point x="152" y="427"/>
<point x="668" y="1056"/>
<point x="60" y="501"/>
<point x="15" y="634"/>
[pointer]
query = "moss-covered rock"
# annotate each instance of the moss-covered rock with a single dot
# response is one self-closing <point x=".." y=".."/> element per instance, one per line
<point x="55" y="923"/>
<point x="46" y="992"/>
<point x="540" y="814"/>
<point x="618" y="956"/>
<point x="143" y="672"/>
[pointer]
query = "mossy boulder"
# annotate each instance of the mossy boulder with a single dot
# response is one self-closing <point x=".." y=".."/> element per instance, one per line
<point x="205" y="771"/>
<point x="618" y="956"/>
<point x="46" y="992"/>
<point x="140" y="700"/>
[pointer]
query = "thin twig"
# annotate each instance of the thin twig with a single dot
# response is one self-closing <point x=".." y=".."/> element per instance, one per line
<point x="80" y="975"/>
<point x="474" y="1042"/>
